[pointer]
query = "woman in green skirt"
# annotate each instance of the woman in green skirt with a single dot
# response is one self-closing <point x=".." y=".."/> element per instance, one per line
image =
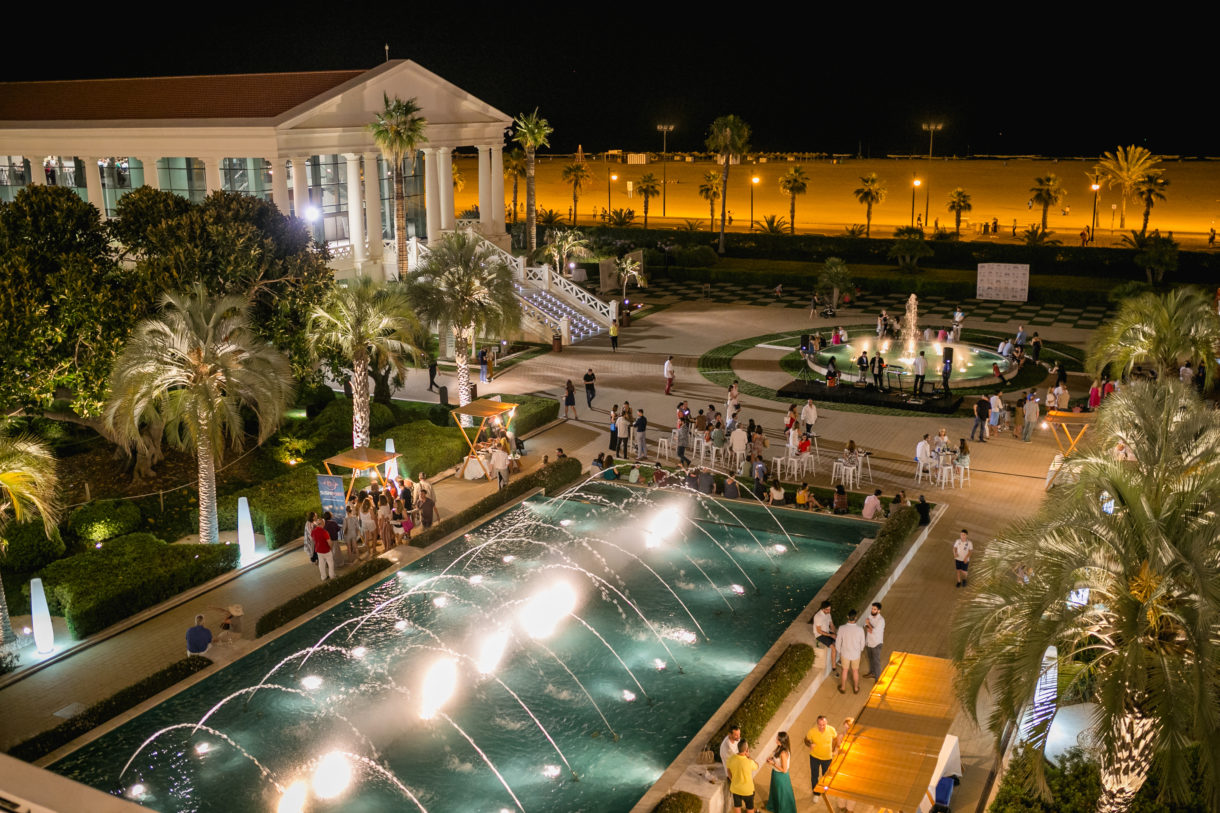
<point x="781" y="799"/>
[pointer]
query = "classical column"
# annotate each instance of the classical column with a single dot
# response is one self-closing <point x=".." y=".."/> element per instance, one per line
<point x="38" y="171"/>
<point x="211" y="174"/>
<point x="151" y="179"/>
<point x="372" y="205"/>
<point x="300" y="185"/>
<point x="497" y="189"/>
<point x="485" y="213"/>
<point x="355" y="207"/>
<point x="444" y="185"/>
<point x="432" y="195"/>
<point x="93" y="183"/>
<point x="279" y="185"/>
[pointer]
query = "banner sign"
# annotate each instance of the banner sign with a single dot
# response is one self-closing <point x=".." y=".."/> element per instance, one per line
<point x="330" y="489"/>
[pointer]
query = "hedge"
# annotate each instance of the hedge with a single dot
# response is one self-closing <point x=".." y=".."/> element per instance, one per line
<point x="768" y="695"/>
<point x="278" y="507"/>
<point x="27" y="546"/>
<point x="534" y="411"/>
<point x="859" y="586"/>
<point x="278" y="616"/>
<point x="408" y="411"/>
<point x="551" y="477"/>
<point x="103" y="586"/>
<point x="42" y="744"/>
<point x="100" y="520"/>
<point x="679" y="802"/>
<point x="425" y="447"/>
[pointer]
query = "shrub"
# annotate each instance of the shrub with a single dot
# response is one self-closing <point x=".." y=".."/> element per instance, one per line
<point x="425" y="447"/>
<point x="42" y="744"/>
<point x="534" y="411"/>
<point x="27" y="547"/>
<point x="314" y="398"/>
<point x="278" y="616"/>
<point x="408" y="411"/>
<point x="696" y="257"/>
<point x="278" y="507"/>
<point x="103" y="586"/>
<point x="768" y="695"/>
<point x="100" y="520"/>
<point x="861" y="583"/>
<point x="679" y="802"/>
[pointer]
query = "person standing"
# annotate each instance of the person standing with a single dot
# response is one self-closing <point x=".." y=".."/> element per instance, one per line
<point x="824" y="631"/>
<point x="483" y="365"/>
<point x="741" y="770"/>
<point x="781" y="798"/>
<point x="569" y="400"/>
<point x="432" y="374"/>
<point x="809" y="416"/>
<point x="1031" y="417"/>
<point x="1021" y="336"/>
<point x="1036" y="347"/>
<point x="499" y="465"/>
<point x="614" y="336"/>
<point x="351" y="531"/>
<point x="614" y="413"/>
<point x="946" y="369"/>
<point x="821" y="742"/>
<point x="198" y="638"/>
<point x="590" y="387"/>
<point x="333" y="528"/>
<point x="851" y="640"/>
<point x="997" y="409"/>
<point x="322" y="549"/>
<point x="874" y="637"/>
<point x="982" y="409"/>
<point x="920" y="368"/>
<point x="667" y="370"/>
<point x="641" y="435"/>
<point x="877" y="365"/>
<point x="728" y="746"/>
<point x="623" y="429"/>
<point x="962" y="549"/>
<point x="683" y="441"/>
<point x="959" y="317"/>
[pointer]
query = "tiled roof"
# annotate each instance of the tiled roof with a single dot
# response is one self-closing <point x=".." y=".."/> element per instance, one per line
<point x="236" y="96"/>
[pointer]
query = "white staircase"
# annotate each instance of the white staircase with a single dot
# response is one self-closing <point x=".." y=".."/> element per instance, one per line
<point x="551" y="310"/>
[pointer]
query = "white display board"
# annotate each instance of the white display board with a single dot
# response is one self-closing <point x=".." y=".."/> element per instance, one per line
<point x="1008" y="281"/>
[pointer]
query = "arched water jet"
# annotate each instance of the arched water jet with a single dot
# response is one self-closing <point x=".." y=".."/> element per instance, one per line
<point x="266" y="772"/>
<point x="576" y="680"/>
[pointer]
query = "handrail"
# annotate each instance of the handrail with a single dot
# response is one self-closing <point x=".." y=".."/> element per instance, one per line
<point x="569" y="290"/>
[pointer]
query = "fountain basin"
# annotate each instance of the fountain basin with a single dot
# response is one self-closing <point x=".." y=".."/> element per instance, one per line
<point x="715" y="586"/>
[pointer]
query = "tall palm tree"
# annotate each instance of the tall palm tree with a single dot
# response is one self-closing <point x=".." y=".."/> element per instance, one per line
<point x="196" y="366"/>
<point x="562" y="244"/>
<point x="959" y="201"/>
<point x="871" y="192"/>
<point x="794" y="182"/>
<point x="1150" y="189"/>
<point x="1160" y="331"/>
<point x="1139" y="536"/>
<point x="729" y="137"/>
<point x="464" y="282"/>
<point x="531" y="134"/>
<point x="709" y="190"/>
<point x="1048" y="191"/>
<point x="577" y="174"/>
<point x="1124" y="168"/>
<point x="28" y="485"/>
<point x="398" y="132"/>
<point x="357" y="322"/>
<point x="649" y="188"/>
<point x="514" y="167"/>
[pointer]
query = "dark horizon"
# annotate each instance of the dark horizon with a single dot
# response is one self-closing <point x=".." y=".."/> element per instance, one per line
<point x="830" y="85"/>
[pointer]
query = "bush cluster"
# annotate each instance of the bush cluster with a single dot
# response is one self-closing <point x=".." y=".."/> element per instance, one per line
<point x="100" y="520"/>
<point x="27" y="546"/>
<point x="860" y="584"/>
<point x="314" y="398"/>
<point x="408" y="411"/>
<point x="769" y="694"/>
<point x="105" y="585"/>
<point x="534" y="411"/>
<point x="425" y="447"/>
<point x="42" y="744"/>
<point x="679" y="802"/>
<point x="278" y="507"/>
<point x="279" y="616"/>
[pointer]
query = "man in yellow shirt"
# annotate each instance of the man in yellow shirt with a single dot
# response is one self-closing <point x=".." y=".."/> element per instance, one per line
<point x="821" y="742"/>
<point x="741" y="778"/>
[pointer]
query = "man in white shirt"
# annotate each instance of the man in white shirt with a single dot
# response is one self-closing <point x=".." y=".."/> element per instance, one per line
<point x="919" y="368"/>
<point x="1186" y="373"/>
<point x="739" y="440"/>
<point x="668" y="371"/>
<point x="824" y="631"/>
<point x="923" y="453"/>
<point x="997" y="407"/>
<point x="962" y="548"/>
<point x="1031" y="418"/>
<point x="728" y="746"/>
<point x="809" y="416"/>
<point x="499" y="464"/>
<point x="958" y="318"/>
<point x="874" y="637"/>
<point x="851" y="647"/>
<point x="872" y="505"/>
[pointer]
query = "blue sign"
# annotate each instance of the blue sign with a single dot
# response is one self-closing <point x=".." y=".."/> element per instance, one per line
<point x="330" y="488"/>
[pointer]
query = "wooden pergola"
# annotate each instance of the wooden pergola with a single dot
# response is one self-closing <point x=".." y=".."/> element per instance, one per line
<point x="360" y="459"/>
<point x="1067" y="421"/>
<point x="484" y="409"/>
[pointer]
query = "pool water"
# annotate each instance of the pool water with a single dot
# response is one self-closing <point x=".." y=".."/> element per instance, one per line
<point x="737" y="581"/>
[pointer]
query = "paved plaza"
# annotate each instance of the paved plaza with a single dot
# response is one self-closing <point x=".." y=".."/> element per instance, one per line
<point x="1008" y="480"/>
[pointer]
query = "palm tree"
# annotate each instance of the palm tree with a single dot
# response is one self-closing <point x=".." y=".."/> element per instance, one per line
<point x="1150" y="189"/>
<point x="871" y="192"/>
<point x="834" y="279"/>
<point x="772" y="224"/>
<point x="576" y="174"/>
<point x="514" y="167"/>
<point x="398" y="132"/>
<point x="464" y="282"/>
<point x="649" y="188"/>
<point x="794" y="183"/>
<point x="709" y="190"/>
<point x="549" y="219"/>
<point x="1124" y="168"/>
<point x="729" y="137"/>
<point x="628" y="270"/>
<point x="959" y="201"/>
<point x="459" y="180"/>
<point x="909" y="247"/>
<point x="1048" y="191"/>
<point x="1139" y="536"/>
<point x="1037" y="235"/>
<point x="196" y="366"/>
<point x="1161" y="331"/>
<point x="28" y="485"/>
<point x="561" y="244"/>
<point x="358" y="321"/>
<point x="531" y="135"/>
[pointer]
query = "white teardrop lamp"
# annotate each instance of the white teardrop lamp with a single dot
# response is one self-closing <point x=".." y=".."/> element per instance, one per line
<point x="44" y="633"/>
<point x="391" y="468"/>
<point x="245" y="530"/>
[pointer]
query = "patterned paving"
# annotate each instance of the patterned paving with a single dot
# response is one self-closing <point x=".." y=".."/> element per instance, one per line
<point x="1033" y="316"/>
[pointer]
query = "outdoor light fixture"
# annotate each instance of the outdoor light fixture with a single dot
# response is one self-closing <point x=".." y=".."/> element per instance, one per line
<point x="541" y="613"/>
<point x="293" y="798"/>
<point x="44" y="632"/>
<point x="311" y="213"/>
<point x="245" y="530"/>
<point x="332" y="775"/>
<point x="438" y="687"/>
<point x="491" y="650"/>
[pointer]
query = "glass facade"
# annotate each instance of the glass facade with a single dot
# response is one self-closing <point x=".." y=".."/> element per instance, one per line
<point x="183" y="176"/>
<point x="119" y="176"/>
<point x="250" y="176"/>
<point x="413" y="192"/>
<point x="14" y="175"/>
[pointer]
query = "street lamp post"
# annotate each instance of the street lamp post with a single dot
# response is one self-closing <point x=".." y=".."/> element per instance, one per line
<point x="609" y="189"/>
<point x="931" y="128"/>
<point x="1096" y="187"/>
<point x="753" y="183"/>
<point x="664" y="130"/>
<point x="914" y="187"/>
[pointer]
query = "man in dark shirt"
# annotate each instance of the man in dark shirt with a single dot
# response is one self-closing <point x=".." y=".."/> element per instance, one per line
<point x="432" y="373"/>
<point x="198" y="638"/>
<point x="641" y="435"/>
<point x="982" y="410"/>
<point x="590" y="387"/>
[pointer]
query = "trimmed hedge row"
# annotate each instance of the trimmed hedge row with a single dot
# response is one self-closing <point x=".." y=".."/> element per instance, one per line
<point x="679" y="802"/>
<point x="425" y="447"/>
<point x="42" y="744"/>
<point x="768" y="695"/>
<point x="100" y="520"/>
<point x="277" y="507"/>
<point x="550" y="477"/>
<point x="105" y="585"/>
<point x="860" y="584"/>
<point x="27" y="546"/>
<point x="534" y="411"/>
<point x="281" y="615"/>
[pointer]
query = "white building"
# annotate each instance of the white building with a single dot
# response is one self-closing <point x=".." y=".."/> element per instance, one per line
<point x="297" y="139"/>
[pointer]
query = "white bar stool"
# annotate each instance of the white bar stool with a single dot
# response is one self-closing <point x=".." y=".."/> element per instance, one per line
<point x="663" y="448"/>
<point x="945" y="475"/>
<point x="923" y="468"/>
<point x="963" y="474"/>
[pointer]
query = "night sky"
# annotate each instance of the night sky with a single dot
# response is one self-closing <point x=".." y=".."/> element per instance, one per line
<point x="1040" y="80"/>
